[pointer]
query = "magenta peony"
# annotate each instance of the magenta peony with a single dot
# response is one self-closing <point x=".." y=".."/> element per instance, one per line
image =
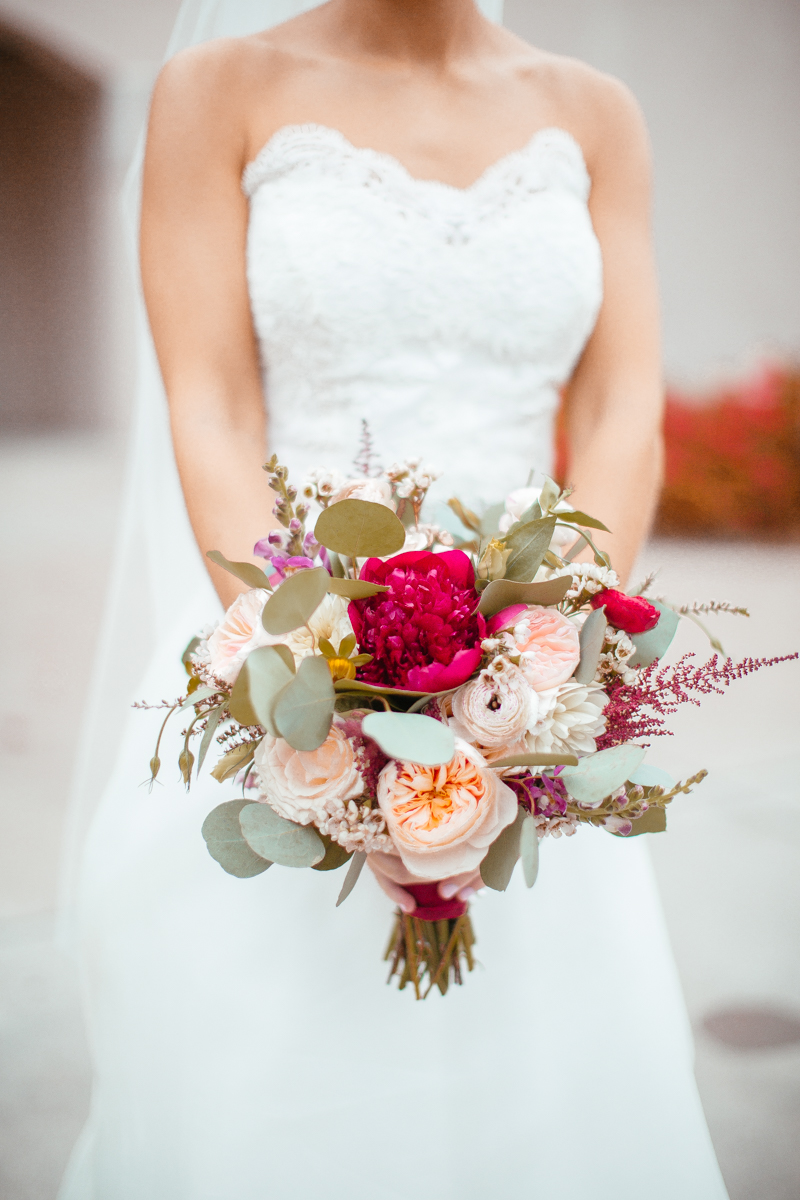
<point x="634" y="614"/>
<point x="424" y="633"/>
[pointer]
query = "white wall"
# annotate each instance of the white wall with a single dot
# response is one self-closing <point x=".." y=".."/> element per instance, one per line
<point x="719" y="82"/>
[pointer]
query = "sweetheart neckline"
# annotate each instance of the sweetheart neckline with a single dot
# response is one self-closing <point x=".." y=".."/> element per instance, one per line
<point x="335" y="135"/>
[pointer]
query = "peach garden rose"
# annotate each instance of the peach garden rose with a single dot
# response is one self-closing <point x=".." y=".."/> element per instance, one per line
<point x="442" y="820"/>
<point x="308" y="785"/>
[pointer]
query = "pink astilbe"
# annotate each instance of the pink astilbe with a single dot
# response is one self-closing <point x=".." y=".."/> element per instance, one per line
<point x="638" y="711"/>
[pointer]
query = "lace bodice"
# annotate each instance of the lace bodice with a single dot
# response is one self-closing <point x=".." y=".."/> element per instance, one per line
<point x="447" y="317"/>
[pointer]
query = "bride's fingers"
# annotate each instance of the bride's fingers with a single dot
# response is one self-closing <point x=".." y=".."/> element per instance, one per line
<point x="458" y="883"/>
<point x="403" y="899"/>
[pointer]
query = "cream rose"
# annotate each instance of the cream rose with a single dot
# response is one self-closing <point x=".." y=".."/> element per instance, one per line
<point x="239" y="632"/>
<point x="308" y="785"/>
<point x="377" y="491"/>
<point x="497" y="707"/>
<point x="329" y="620"/>
<point x="442" y="820"/>
<point x="549" y="646"/>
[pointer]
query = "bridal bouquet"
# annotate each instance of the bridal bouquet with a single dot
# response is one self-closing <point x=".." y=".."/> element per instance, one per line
<point x="387" y="692"/>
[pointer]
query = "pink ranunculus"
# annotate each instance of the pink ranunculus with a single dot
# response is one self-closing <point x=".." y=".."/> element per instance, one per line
<point x="424" y="633"/>
<point x="442" y="820"/>
<point x="634" y="614"/>
<point x="548" y="644"/>
<point x="239" y="632"/>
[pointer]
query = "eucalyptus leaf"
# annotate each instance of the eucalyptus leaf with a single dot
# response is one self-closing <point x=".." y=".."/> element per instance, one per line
<point x="304" y="709"/>
<point x="654" y="644"/>
<point x="593" y="634"/>
<point x="355" y="589"/>
<point x="650" y="777"/>
<point x="351" y="878"/>
<point x="528" y="544"/>
<point x="249" y="573"/>
<point x="240" y="705"/>
<point x="201" y="693"/>
<point x="297" y="598"/>
<point x="233" y="761"/>
<point x="598" y="775"/>
<point x="549" y="495"/>
<point x="208" y="734"/>
<point x="653" y="821"/>
<point x="266" y="671"/>
<point x="537" y="760"/>
<point x="335" y="855"/>
<point x="502" y="593"/>
<point x="360" y="529"/>
<point x="337" y="568"/>
<point x="411" y="737"/>
<point x="529" y="850"/>
<point x="279" y="840"/>
<point x="225" y="841"/>
<point x="531" y="514"/>
<point x="498" y="865"/>
<point x="575" y="517"/>
<point x="355" y="685"/>
<point x="190" y="649"/>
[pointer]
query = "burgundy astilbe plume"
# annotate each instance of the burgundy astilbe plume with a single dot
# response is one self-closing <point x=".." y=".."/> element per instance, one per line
<point x="638" y="711"/>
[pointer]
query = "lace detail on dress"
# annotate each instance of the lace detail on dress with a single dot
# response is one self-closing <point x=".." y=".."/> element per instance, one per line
<point x="448" y="317"/>
<point x="552" y="159"/>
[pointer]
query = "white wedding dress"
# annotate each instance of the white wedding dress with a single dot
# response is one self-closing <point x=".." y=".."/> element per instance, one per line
<point x="246" y="1045"/>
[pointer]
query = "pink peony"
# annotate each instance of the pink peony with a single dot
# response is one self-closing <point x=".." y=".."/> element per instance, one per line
<point x="443" y="820"/>
<point x="548" y="644"/>
<point x="634" y="614"/>
<point x="424" y="633"/>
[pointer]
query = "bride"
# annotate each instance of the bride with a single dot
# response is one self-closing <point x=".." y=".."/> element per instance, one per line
<point x="392" y="210"/>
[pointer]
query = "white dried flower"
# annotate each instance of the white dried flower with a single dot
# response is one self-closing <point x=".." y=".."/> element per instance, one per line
<point x="356" y="827"/>
<point x="587" y="580"/>
<point x="496" y="708"/>
<point x="428" y="537"/>
<point x="555" y="826"/>
<point x="570" y="717"/>
<point x="321" y="484"/>
<point x="412" y="478"/>
<point x="617" y="649"/>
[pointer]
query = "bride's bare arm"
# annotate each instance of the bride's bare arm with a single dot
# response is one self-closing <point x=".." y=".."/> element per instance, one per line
<point x="193" y="231"/>
<point x="615" y="399"/>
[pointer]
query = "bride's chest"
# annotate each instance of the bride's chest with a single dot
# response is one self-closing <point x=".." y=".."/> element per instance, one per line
<point x="344" y="244"/>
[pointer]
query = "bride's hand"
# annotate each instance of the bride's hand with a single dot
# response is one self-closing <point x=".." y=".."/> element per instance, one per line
<point x="390" y="873"/>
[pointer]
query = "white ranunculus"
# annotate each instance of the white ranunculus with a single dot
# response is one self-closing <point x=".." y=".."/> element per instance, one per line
<point x="497" y="707"/>
<point x="239" y="632"/>
<point x="329" y="621"/>
<point x="570" y="717"/>
<point x="516" y="504"/>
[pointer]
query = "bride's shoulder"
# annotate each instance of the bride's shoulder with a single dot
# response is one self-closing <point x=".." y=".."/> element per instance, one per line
<point x="599" y="110"/>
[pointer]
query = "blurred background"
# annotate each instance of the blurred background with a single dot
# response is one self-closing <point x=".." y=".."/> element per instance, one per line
<point x="719" y="82"/>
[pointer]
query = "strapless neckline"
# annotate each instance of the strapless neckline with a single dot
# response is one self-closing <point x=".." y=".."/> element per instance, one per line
<point x="329" y="139"/>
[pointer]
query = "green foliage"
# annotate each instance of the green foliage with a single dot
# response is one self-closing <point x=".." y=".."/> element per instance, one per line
<point x="653" y="821"/>
<point x="265" y="673"/>
<point x="502" y="593"/>
<point x="648" y="777"/>
<point x="538" y="760"/>
<point x="279" y="840"/>
<point x="355" y="589"/>
<point x="498" y="865"/>
<point x="360" y="529"/>
<point x="223" y="837"/>
<point x="655" y="643"/>
<point x="411" y="737"/>
<point x="249" y="573"/>
<point x="335" y="855"/>
<point x="528" y="544"/>
<point x="529" y="850"/>
<point x="597" y="775"/>
<point x="303" y="710"/>
<point x="351" y="878"/>
<point x="295" y="601"/>
<point x="593" y="634"/>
